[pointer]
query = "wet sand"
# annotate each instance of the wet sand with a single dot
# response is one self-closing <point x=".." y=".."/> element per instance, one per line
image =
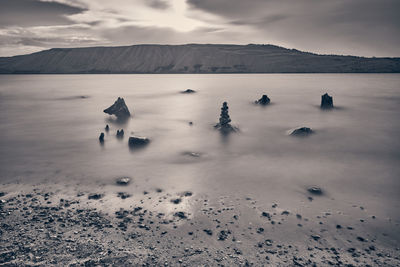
<point x="56" y="225"/>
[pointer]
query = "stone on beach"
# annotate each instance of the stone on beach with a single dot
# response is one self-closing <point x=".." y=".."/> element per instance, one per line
<point x="326" y="101"/>
<point x="264" y="100"/>
<point x="118" y="109"/>
<point x="301" y="131"/>
<point x="138" y="141"/>
<point x="95" y="196"/>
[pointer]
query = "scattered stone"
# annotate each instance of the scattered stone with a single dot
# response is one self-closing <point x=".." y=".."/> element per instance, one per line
<point x="338" y="226"/>
<point x="315" y="190"/>
<point x="315" y="237"/>
<point x="266" y="214"/>
<point x="326" y="101"/>
<point x="260" y="230"/>
<point x="300" y="132"/>
<point x="285" y="212"/>
<point x="137" y="141"/>
<point x="120" y="133"/>
<point x="107" y="128"/>
<point x="101" y="138"/>
<point x="264" y="100"/>
<point x="118" y="109"/>
<point x="176" y="200"/>
<point x="123" y="181"/>
<point x="361" y="239"/>
<point x="187" y="194"/>
<point x="180" y="214"/>
<point x="223" y="235"/>
<point x="95" y="196"/>
<point x="208" y="231"/>
<point x="188" y="91"/>
<point x="224" y="121"/>
<point x="123" y="195"/>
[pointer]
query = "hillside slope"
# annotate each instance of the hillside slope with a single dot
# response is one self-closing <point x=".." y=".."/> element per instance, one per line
<point x="191" y="58"/>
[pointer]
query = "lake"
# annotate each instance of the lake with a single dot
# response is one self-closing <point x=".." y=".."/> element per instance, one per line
<point x="50" y="124"/>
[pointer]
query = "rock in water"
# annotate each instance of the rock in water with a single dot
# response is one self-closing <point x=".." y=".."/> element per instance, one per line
<point x="326" y="101"/>
<point x="188" y="91"/>
<point x="101" y="138"/>
<point x="302" y="131"/>
<point x="315" y="190"/>
<point x="137" y="141"/>
<point x="107" y="128"/>
<point x="120" y="134"/>
<point x="118" y="109"/>
<point x="264" y="100"/>
<point x="224" y="120"/>
<point x="123" y="181"/>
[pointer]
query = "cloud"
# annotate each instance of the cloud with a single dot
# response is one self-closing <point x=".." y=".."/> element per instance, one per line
<point x="35" y="13"/>
<point x="157" y="4"/>
<point x="361" y="27"/>
<point x="358" y="27"/>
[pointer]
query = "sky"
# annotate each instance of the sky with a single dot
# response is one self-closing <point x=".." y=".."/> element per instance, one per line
<point x="346" y="27"/>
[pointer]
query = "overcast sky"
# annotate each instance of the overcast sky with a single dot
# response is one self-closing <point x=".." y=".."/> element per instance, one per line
<point x="356" y="27"/>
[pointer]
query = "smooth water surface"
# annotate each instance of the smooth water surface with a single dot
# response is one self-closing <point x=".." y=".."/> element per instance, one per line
<point x="49" y="128"/>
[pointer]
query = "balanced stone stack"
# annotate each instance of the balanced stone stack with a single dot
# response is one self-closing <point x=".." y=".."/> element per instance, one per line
<point x="224" y="120"/>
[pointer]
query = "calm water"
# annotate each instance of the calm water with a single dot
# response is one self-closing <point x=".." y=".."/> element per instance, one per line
<point x="50" y="134"/>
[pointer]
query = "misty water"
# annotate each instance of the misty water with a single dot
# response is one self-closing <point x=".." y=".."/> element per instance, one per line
<point x="49" y="128"/>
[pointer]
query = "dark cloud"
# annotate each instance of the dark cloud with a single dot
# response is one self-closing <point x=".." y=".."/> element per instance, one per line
<point x="361" y="27"/>
<point x="157" y="4"/>
<point x="35" y="13"/>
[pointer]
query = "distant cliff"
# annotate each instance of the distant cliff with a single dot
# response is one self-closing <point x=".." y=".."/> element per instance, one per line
<point x="191" y="58"/>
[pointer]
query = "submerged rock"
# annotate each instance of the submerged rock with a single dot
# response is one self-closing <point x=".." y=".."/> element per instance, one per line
<point x="123" y="181"/>
<point x="120" y="133"/>
<point x="192" y="154"/>
<point x="302" y="131"/>
<point x="224" y="120"/>
<point x="264" y="100"/>
<point x="101" y="138"/>
<point x="188" y="91"/>
<point x="326" y="101"/>
<point x="315" y="190"/>
<point x="137" y="141"/>
<point x="118" y="109"/>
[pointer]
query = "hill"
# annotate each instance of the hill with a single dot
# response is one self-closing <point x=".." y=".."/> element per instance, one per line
<point x="191" y="58"/>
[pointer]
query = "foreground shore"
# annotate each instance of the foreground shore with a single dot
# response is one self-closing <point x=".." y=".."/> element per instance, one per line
<point x="54" y="226"/>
